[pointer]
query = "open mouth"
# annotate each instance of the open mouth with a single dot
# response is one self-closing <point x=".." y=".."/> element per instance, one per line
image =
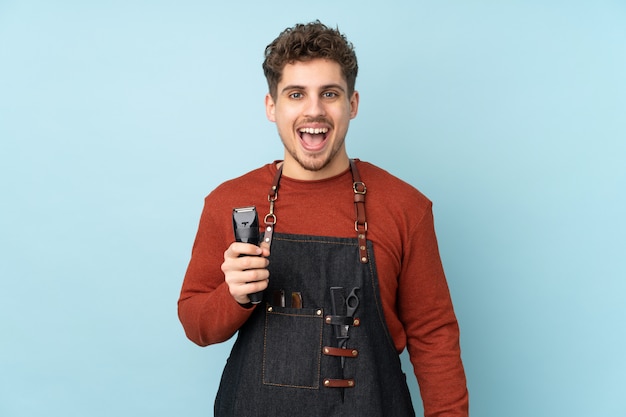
<point x="313" y="139"/>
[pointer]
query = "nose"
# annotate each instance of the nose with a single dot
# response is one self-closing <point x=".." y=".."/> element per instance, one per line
<point x="314" y="107"/>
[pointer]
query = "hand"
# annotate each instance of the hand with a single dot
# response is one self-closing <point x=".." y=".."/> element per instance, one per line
<point x="246" y="274"/>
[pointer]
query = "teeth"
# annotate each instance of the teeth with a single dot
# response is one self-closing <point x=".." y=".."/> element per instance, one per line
<point x="313" y="131"/>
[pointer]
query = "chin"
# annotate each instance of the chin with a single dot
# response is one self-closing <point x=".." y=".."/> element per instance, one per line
<point x="314" y="166"/>
<point x="315" y="163"/>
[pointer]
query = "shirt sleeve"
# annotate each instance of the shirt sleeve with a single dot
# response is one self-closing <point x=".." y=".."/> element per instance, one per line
<point x="426" y="310"/>
<point x="207" y="311"/>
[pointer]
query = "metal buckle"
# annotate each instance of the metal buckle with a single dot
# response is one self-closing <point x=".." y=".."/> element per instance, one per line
<point x="356" y="226"/>
<point x="356" y="187"/>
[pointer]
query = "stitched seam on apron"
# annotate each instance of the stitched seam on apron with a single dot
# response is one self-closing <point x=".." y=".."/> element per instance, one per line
<point x="318" y="240"/>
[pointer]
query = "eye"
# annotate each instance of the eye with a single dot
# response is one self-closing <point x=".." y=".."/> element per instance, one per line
<point x="296" y="95"/>
<point x="329" y="94"/>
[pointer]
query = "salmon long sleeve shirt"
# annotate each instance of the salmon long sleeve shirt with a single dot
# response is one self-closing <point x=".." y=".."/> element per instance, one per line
<point x="416" y="301"/>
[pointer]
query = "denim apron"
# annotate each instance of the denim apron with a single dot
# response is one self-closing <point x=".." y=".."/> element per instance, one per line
<point x="306" y="350"/>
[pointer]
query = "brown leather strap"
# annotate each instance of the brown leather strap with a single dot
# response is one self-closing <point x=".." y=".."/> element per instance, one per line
<point x="270" y="218"/>
<point x="360" y="225"/>
<point x="342" y="320"/>
<point x="335" y="351"/>
<point x="339" y="383"/>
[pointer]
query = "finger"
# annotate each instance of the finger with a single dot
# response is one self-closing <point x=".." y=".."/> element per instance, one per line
<point x="237" y="249"/>
<point x="265" y="248"/>
<point x="247" y="282"/>
<point x="251" y="263"/>
<point x="241" y="270"/>
<point x="241" y="293"/>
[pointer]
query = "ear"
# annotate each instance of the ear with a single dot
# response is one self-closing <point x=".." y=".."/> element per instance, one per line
<point x="270" y="108"/>
<point x="354" y="104"/>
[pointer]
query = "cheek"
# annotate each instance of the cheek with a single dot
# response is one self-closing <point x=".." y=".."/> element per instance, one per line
<point x="286" y="117"/>
<point x="283" y="125"/>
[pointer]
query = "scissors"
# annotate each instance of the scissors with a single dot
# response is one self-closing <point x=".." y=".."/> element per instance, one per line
<point x="352" y="303"/>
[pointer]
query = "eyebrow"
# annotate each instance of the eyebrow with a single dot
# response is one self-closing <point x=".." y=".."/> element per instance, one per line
<point x="301" y="87"/>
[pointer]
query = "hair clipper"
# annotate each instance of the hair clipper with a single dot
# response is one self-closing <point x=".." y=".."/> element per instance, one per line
<point x="246" y="227"/>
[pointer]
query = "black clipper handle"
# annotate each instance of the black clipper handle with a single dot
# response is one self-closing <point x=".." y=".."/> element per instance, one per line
<point x="246" y="227"/>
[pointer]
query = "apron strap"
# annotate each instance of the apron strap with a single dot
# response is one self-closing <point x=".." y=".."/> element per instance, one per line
<point x="360" y="225"/>
<point x="270" y="218"/>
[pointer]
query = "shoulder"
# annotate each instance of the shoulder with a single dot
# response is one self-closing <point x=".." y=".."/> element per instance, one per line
<point x="383" y="185"/>
<point x="251" y="186"/>
<point x="256" y="176"/>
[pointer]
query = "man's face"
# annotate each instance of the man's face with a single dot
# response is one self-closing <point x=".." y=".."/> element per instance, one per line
<point x="312" y="111"/>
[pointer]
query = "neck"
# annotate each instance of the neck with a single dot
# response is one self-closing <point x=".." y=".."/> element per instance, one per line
<point x="293" y="169"/>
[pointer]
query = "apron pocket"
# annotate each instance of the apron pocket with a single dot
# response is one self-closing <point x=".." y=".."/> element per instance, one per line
<point x="292" y="347"/>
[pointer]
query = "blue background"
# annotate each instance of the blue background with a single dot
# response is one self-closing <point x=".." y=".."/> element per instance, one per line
<point x="117" y="117"/>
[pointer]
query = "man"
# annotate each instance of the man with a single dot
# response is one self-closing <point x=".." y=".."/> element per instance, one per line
<point x="349" y="267"/>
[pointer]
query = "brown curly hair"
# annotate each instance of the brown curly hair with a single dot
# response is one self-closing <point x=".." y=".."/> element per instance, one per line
<point x="305" y="42"/>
